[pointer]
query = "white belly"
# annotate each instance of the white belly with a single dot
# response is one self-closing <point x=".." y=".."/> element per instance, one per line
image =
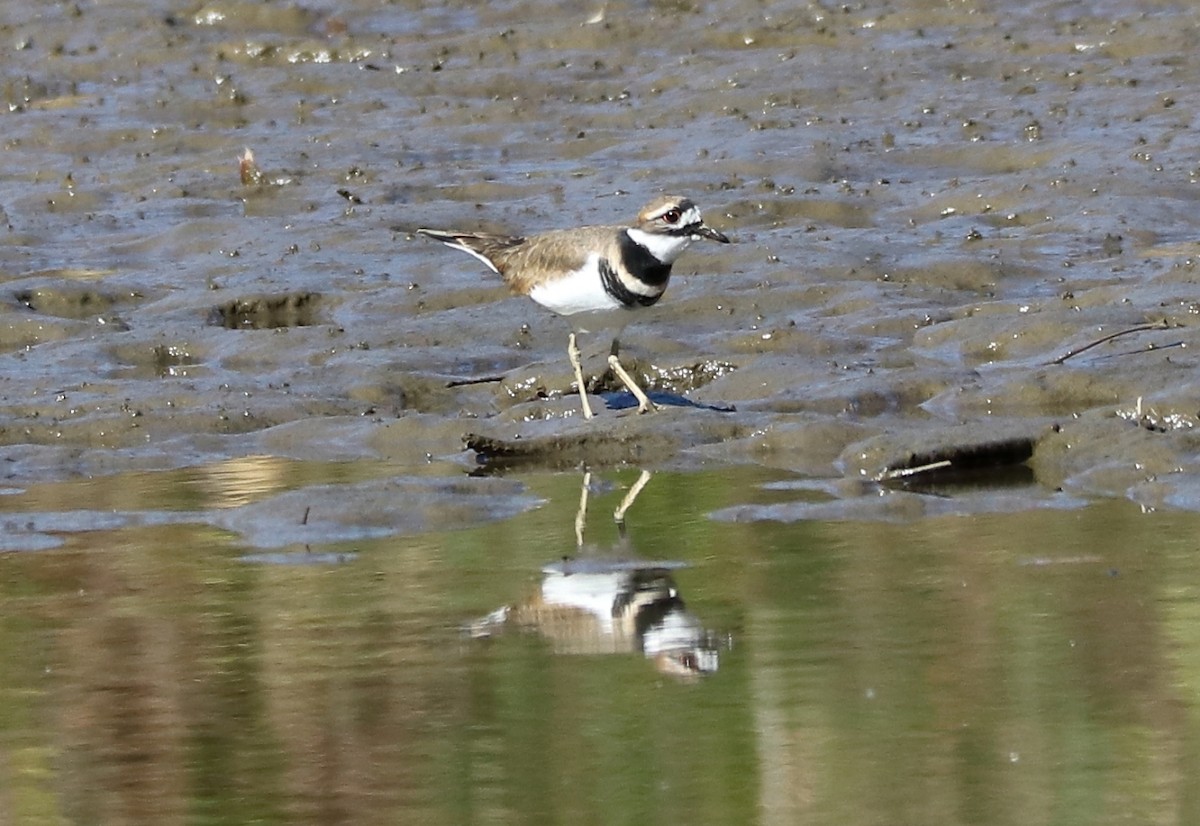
<point x="579" y="292"/>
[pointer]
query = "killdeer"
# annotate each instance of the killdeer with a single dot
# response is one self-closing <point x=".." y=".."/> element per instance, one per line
<point x="589" y="270"/>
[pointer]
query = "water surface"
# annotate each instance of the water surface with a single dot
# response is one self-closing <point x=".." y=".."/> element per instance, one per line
<point x="987" y="668"/>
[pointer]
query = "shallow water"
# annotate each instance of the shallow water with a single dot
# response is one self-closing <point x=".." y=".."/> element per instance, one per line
<point x="249" y="571"/>
<point x="988" y="668"/>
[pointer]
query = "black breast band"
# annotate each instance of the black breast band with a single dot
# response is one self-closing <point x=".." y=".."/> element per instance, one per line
<point x="617" y="289"/>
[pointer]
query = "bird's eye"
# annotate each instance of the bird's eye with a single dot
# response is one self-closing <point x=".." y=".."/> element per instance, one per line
<point x="671" y="216"/>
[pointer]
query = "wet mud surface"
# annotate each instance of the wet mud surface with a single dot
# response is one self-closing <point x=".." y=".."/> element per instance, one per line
<point x="933" y="206"/>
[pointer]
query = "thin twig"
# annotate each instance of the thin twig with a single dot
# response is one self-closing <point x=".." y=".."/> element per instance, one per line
<point x="1151" y="347"/>
<point x="469" y="382"/>
<point x="900" y="473"/>
<point x="1158" y="325"/>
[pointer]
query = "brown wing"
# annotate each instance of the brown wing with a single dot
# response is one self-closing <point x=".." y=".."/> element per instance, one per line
<point x="554" y="254"/>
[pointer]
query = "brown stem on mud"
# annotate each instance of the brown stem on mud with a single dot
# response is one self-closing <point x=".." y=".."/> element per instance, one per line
<point x="469" y="382"/>
<point x="1158" y="325"/>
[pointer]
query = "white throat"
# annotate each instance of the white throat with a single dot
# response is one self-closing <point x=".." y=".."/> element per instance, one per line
<point x="666" y="248"/>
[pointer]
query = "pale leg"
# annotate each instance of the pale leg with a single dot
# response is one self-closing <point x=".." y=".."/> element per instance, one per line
<point x="573" y="354"/>
<point x="644" y="403"/>
<point x="631" y="497"/>
<point x="581" y="513"/>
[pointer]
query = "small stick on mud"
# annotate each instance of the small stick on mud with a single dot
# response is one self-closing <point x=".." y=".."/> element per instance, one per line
<point x="1151" y="347"/>
<point x="469" y="382"/>
<point x="971" y="458"/>
<point x="900" y="473"/>
<point x="304" y="519"/>
<point x="1158" y="325"/>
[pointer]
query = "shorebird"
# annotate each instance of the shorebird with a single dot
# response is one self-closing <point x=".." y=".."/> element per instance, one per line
<point x="586" y="271"/>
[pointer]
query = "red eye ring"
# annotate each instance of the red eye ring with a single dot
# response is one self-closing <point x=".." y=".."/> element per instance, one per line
<point x="672" y="215"/>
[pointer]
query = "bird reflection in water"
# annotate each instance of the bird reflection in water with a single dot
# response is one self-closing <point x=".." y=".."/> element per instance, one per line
<point x="604" y="601"/>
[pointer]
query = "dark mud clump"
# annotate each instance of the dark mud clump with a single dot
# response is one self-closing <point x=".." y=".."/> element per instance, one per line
<point x="651" y="439"/>
<point x="268" y="312"/>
